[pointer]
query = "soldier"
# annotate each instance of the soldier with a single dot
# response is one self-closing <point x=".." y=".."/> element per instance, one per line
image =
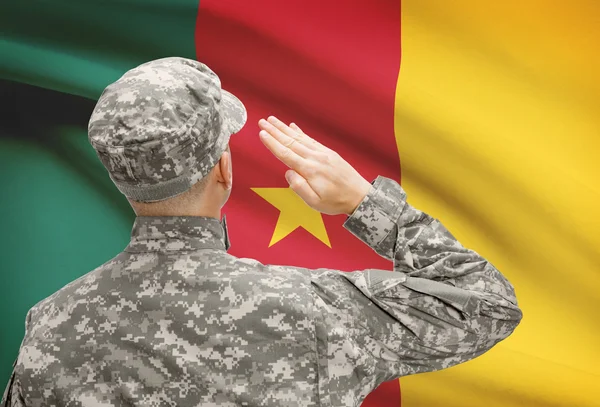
<point x="174" y="320"/>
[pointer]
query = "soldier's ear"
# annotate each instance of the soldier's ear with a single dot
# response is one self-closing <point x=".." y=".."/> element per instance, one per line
<point x="224" y="172"/>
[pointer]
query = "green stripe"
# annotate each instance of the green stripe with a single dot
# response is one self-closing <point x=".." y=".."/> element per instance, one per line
<point x="80" y="47"/>
<point x="60" y="214"/>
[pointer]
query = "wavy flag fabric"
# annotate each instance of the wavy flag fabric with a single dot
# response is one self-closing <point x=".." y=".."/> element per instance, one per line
<point x="498" y="134"/>
<point x="486" y="113"/>
<point x="332" y="70"/>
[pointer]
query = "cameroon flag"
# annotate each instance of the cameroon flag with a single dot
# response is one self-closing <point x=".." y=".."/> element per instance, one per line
<point x="486" y="112"/>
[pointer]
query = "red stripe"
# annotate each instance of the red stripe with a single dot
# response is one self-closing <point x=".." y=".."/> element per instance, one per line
<point x="332" y="69"/>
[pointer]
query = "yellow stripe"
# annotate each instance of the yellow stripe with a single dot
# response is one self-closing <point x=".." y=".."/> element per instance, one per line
<point x="498" y="130"/>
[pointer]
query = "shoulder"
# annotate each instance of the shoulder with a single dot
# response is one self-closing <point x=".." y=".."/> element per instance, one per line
<point x="72" y="292"/>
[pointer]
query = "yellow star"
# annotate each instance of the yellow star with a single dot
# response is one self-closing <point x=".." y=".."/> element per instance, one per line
<point x="294" y="212"/>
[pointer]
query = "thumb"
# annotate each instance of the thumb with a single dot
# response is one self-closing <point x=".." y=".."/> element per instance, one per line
<point x="300" y="186"/>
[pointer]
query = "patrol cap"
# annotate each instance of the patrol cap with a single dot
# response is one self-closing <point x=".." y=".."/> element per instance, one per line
<point x="163" y="126"/>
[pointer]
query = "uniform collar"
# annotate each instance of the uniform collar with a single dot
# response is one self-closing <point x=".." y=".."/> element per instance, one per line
<point x="176" y="233"/>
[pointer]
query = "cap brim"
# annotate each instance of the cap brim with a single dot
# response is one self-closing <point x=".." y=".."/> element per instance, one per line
<point x="234" y="111"/>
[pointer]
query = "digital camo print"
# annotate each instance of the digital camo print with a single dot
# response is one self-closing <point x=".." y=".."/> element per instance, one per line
<point x="174" y="320"/>
<point x="442" y="305"/>
<point x="163" y="126"/>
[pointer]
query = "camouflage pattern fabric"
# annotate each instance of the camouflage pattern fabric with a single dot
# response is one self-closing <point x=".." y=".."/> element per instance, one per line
<point x="163" y="126"/>
<point x="174" y="320"/>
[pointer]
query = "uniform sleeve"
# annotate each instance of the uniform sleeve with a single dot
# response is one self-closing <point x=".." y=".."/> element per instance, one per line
<point x="442" y="305"/>
<point x="13" y="396"/>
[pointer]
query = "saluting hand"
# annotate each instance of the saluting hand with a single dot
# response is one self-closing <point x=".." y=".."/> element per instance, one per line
<point x="323" y="179"/>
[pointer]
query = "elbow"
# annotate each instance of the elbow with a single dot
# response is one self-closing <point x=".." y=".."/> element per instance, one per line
<point x="505" y="314"/>
<point x="515" y="316"/>
<point x="496" y="327"/>
<point x="495" y="312"/>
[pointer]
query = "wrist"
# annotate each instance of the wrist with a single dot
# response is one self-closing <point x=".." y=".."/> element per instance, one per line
<point x="359" y="196"/>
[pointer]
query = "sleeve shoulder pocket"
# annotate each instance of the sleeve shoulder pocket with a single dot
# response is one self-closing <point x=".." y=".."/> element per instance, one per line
<point x="382" y="280"/>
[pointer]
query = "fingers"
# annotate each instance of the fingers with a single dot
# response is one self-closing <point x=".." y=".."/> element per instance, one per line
<point x="309" y="141"/>
<point x="295" y="127"/>
<point x="291" y="142"/>
<point x="283" y="153"/>
<point x="299" y="136"/>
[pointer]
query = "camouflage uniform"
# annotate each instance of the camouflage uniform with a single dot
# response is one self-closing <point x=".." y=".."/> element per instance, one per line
<point x="174" y="320"/>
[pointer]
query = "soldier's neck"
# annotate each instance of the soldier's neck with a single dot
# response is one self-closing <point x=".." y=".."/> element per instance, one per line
<point x="206" y="213"/>
<point x="209" y="211"/>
